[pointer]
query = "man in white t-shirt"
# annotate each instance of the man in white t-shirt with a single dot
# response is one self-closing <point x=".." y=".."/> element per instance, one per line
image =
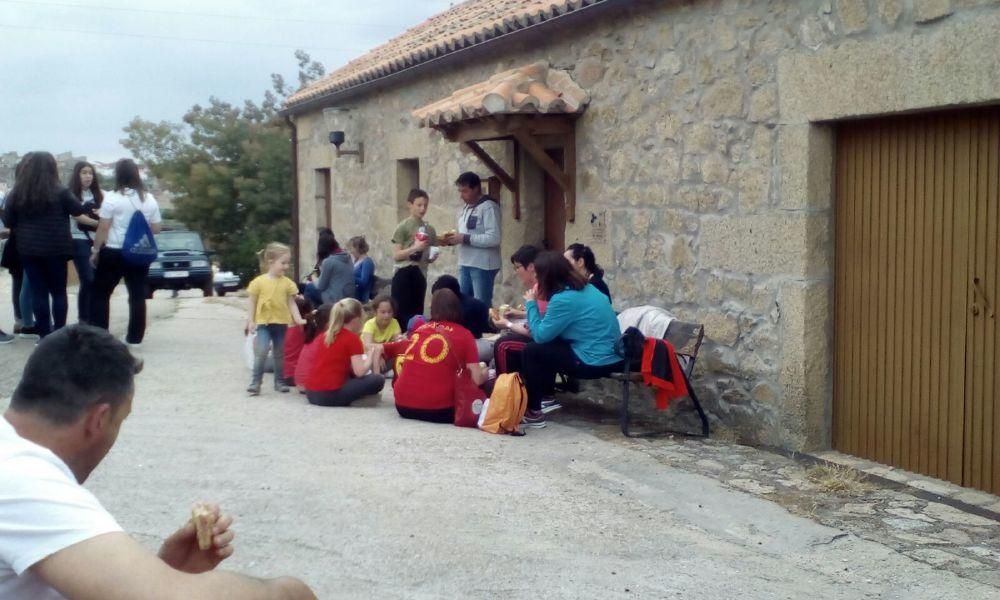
<point x="56" y="540"/>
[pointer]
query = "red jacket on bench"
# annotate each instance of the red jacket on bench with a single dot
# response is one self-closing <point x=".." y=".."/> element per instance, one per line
<point x="662" y="370"/>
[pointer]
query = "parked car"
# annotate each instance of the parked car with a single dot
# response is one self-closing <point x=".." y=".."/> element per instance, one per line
<point x="226" y="281"/>
<point x="182" y="264"/>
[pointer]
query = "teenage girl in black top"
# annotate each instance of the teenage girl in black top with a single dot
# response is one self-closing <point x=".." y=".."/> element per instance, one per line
<point x="37" y="210"/>
<point x="583" y="261"/>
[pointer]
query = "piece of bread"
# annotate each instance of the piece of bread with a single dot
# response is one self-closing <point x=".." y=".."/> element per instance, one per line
<point x="203" y="518"/>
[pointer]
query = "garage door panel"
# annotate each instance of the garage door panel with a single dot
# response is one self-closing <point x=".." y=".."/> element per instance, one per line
<point x="918" y="241"/>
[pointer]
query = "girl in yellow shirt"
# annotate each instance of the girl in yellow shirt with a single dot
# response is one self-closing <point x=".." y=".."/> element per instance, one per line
<point x="271" y="310"/>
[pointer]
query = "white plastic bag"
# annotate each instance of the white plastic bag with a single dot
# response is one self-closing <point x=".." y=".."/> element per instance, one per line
<point x="248" y="354"/>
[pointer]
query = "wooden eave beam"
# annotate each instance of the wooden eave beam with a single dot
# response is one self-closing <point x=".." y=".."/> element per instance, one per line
<point x="565" y="178"/>
<point x="505" y="178"/>
<point x="509" y="181"/>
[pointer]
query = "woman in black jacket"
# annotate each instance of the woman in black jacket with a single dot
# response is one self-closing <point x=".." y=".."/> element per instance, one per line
<point x="86" y="188"/>
<point x="37" y="211"/>
<point x="584" y="263"/>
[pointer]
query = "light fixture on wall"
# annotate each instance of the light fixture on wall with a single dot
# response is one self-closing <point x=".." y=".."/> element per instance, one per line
<point x="337" y="139"/>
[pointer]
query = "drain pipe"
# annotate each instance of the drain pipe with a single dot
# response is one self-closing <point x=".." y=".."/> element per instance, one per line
<point x="295" y="193"/>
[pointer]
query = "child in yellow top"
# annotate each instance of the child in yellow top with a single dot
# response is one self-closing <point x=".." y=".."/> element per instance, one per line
<point x="271" y="310"/>
<point x="383" y="327"/>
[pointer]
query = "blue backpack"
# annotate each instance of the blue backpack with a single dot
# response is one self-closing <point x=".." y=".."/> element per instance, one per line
<point x="139" y="247"/>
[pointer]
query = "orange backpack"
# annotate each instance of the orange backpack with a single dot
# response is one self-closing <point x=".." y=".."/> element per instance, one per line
<point x="505" y="407"/>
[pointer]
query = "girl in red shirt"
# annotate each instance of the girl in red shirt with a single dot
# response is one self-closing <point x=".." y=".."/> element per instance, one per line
<point x="316" y="324"/>
<point x="438" y="350"/>
<point x="295" y="340"/>
<point x="340" y="373"/>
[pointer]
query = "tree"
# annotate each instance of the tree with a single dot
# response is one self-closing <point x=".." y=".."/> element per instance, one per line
<point x="229" y="168"/>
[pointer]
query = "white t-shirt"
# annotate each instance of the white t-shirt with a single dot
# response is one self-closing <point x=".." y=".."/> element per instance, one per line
<point x="119" y="206"/>
<point x="42" y="511"/>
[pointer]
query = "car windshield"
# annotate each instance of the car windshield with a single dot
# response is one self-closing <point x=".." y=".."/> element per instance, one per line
<point x="179" y="241"/>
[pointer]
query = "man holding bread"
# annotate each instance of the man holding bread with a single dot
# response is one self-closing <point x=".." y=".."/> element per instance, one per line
<point x="56" y="540"/>
<point x="478" y="239"/>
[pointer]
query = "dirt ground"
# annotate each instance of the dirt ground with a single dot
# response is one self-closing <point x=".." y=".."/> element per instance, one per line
<point x="360" y="503"/>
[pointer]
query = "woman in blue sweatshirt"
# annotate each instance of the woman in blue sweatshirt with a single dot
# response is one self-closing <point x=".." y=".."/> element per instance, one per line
<point x="576" y="336"/>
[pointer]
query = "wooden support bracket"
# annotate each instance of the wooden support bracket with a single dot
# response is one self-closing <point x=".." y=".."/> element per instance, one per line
<point x="566" y="178"/>
<point x="509" y="181"/>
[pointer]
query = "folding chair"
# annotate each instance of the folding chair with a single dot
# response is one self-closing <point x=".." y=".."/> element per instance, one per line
<point x="686" y="338"/>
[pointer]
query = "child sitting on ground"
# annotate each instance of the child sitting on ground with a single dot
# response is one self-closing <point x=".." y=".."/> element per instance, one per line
<point x="316" y="323"/>
<point x="295" y="340"/>
<point x="341" y="372"/>
<point x="383" y="328"/>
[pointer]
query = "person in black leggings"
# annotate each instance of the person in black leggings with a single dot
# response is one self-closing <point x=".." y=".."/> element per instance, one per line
<point x="37" y="210"/>
<point x="130" y="197"/>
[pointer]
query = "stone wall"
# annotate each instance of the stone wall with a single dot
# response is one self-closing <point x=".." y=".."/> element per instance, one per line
<point x="705" y="154"/>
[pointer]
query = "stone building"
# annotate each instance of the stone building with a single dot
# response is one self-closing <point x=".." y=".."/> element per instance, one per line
<point x="797" y="175"/>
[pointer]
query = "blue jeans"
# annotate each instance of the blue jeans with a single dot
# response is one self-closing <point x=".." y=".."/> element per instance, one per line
<point x="85" y="272"/>
<point x="477" y="283"/>
<point x="48" y="279"/>
<point x="21" y="297"/>
<point x="268" y="336"/>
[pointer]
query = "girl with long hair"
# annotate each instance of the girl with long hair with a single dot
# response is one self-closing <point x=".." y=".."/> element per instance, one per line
<point x="37" y="211"/>
<point x="583" y="261"/>
<point x="84" y="185"/>
<point x="336" y="276"/>
<point x="341" y="372"/>
<point x="128" y="198"/>
<point x="576" y="336"/>
<point x="24" y="314"/>
<point x="316" y="324"/>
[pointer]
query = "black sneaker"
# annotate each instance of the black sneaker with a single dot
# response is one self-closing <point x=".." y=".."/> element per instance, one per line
<point x="29" y="333"/>
<point x="5" y="338"/>
<point x="534" y="419"/>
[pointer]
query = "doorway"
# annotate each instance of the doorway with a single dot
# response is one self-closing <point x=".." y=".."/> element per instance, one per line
<point x="555" y="208"/>
<point x="917" y="348"/>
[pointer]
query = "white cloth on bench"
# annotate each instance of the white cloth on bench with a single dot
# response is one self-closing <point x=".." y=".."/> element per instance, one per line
<point x="651" y="321"/>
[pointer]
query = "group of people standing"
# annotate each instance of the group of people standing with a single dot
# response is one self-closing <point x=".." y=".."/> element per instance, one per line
<point x="47" y="224"/>
<point x="335" y="356"/>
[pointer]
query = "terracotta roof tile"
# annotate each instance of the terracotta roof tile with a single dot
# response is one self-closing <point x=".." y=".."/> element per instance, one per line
<point x="462" y="26"/>
<point x="531" y="89"/>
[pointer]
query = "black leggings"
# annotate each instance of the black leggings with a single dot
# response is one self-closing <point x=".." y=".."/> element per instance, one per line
<point x="408" y="289"/>
<point x="353" y="389"/>
<point x="443" y="415"/>
<point x="541" y="362"/>
<point x="111" y="267"/>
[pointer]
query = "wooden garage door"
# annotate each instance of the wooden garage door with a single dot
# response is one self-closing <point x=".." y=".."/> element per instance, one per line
<point x="917" y="247"/>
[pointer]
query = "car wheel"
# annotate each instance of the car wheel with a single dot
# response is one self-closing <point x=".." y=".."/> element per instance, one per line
<point x="220" y="292"/>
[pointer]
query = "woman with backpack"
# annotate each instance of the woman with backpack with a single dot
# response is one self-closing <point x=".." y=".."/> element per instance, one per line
<point x="129" y="216"/>
<point x="576" y="336"/>
<point x="85" y="187"/>
<point x="37" y="210"/>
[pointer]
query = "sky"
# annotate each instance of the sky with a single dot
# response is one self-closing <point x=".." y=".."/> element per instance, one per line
<point x="73" y="73"/>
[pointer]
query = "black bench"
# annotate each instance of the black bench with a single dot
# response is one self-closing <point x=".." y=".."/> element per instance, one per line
<point x="686" y="338"/>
